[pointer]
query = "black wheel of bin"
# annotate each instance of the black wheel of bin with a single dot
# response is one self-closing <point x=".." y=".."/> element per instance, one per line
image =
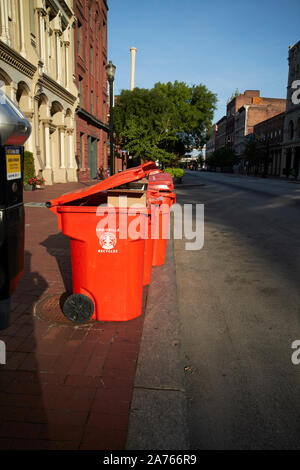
<point x="78" y="308"/>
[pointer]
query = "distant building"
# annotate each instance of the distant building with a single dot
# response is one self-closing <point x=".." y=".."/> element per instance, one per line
<point x="250" y="115"/>
<point x="211" y="143"/>
<point x="220" y="130"/>
<point x="92" y="113"/>
<point x="246" y="110"/>
<point x="232" y="107"/>
<point x="269" y="135"/>
<point x="291" y="137"/>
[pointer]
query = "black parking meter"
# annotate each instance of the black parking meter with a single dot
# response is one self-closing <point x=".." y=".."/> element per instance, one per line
<point x="14" y="131"/>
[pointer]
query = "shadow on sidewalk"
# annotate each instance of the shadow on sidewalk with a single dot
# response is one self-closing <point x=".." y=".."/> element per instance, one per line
<point x="23" y="419"/>
<point x="58" y="245"/>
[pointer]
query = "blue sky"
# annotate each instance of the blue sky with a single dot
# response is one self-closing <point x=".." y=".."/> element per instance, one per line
<point x="223" y="44"/>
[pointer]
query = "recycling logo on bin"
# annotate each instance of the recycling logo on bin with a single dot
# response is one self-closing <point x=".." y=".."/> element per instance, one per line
<point x="108" y="241"/>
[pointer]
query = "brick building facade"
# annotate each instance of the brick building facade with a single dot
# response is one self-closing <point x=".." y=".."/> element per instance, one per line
<point x="269" y="134"/>
<point x="232" y="108"/>
<point x="221" y="133"/>
<point x="291" y="140"/>
<point x="90" y="75"/>
<point x="246" y="110"/>
<point x="211" y="143"/>
<point x="249" y="115"/>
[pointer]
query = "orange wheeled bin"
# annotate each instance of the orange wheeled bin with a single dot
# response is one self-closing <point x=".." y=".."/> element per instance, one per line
<point x="162" y="183"/>
<point x="107" y="269"/>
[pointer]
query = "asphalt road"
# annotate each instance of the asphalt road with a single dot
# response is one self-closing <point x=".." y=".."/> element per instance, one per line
<point x="239" y="304"/>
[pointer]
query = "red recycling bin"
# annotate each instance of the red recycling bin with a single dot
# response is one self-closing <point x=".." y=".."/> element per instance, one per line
<point x="162" y="183"/>
<point x="107" y="268"/>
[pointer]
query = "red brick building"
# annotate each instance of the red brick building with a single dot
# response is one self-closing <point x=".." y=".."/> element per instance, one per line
<point x="249" y="115"/>
<point x="90" y="76"/>
<point x="269" y="134"/>
<point x="220" y="130"/>
<point x="256" y="109"/>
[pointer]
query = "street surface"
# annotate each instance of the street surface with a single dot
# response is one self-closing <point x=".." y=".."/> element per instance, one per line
<point x="239" y="304"/>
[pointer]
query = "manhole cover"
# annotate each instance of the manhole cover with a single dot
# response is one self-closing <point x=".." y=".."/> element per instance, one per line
<point x="50" y="310"/>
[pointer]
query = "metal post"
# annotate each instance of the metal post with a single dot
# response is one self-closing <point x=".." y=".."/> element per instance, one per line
<point x="111" y="129"/>
<point x="110" y="72"/>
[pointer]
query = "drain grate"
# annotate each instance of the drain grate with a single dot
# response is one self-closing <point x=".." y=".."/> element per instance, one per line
<point x="50" y="310"/>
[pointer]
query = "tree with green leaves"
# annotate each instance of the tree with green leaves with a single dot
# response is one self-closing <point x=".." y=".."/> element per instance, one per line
<point x="256" y="156"/>
<point x="223" y="157"/>
<point x="162" y="123"/>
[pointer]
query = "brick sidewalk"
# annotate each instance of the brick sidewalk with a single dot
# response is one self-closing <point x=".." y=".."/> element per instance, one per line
<point x="64" y="386"/>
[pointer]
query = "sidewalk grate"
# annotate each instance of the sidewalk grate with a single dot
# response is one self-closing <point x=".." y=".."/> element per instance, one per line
<point x="50" y="310"/>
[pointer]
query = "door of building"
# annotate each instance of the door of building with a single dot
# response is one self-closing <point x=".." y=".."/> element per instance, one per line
<point x="92" y="157"/>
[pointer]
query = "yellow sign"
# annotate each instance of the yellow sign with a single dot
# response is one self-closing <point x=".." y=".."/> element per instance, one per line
<point x="13" y="166"/>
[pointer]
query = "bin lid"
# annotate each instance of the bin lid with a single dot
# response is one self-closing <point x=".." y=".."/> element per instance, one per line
<point x="161" y="181"/>
<point x="126" y="176"/>
<point x="160" y="176"/>
<point x="155" y="171"/>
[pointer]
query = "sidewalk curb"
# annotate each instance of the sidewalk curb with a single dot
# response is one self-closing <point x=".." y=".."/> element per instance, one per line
<point x="158" y="409"/>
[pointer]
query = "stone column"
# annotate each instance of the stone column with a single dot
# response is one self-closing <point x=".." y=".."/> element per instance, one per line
<point x="4" y="22"/>
<point x="293" y="157"/>
<point x="66" y="44"/>
<point x="22" y="51"/>
<point x="62" y="146"/>
<point x="41" y="13"/>
<point x="60" y="172"/>
<point x="47" y="145"/>
<point x="36" y="120"/>
<point x="47" y="172"/>
<point x="58" y="56"/>
<point x="71" y="170"/>
<point x="279" y="163"/>
<point x="71" y="161"/>
<point x="29" y="144"/>
<point x="13" y="92"/>
<point x="283" y="162"/>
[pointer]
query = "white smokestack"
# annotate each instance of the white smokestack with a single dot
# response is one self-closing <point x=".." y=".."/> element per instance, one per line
<point x="132" y="51"/>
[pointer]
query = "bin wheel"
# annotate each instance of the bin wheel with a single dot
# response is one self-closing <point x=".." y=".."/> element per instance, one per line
<point x="78" y="308"/>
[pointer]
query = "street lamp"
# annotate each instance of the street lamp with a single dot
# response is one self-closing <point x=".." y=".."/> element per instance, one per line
<point x="110" y="73"/>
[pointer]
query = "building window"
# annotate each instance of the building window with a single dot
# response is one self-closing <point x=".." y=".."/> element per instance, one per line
<point x="79" y="26"/>
<point x="92" y="101"/>
<point x="104" y="34"/>
<point x="91" y="60"/>
<point x="81" y="149"/>
<point x="91" y="16"/>
<point x="80" y="90"/>
<point x="103" y="74"/>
